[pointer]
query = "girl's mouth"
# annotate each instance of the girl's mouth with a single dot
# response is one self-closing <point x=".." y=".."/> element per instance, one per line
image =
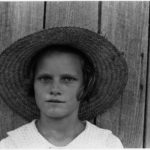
<point x="55" y="101"/>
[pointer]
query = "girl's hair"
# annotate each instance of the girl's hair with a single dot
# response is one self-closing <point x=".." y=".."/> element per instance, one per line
<point x="86" y="63"/>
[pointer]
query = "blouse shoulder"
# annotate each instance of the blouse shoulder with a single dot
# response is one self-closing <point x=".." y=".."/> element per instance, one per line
<point x="107" y="138"/>
<point x="15" y="136"/>
<point x="7" y="143"/>
<point x="113" y="141"/>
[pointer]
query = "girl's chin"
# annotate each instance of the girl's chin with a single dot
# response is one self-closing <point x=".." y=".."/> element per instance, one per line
<point x="55" y="114"/>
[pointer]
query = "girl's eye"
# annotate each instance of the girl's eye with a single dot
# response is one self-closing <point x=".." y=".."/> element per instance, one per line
<point x="68" y="79"/>
<point x="44" y="79"/>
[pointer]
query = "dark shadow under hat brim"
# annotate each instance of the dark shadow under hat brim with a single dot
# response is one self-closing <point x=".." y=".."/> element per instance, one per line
<point x="111" y="68"/>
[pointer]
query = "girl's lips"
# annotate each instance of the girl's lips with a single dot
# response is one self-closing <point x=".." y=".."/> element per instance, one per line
<point x="55" y="101"/>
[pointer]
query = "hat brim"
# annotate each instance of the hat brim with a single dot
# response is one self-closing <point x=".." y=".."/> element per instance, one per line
<point x="112" y="71"/>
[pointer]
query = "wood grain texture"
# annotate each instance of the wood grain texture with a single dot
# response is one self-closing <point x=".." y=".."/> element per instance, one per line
<point x="79" y="14"/>
<point x="147" y="126"/>
<point x="147" y="129"/>
<point x="17" y="19"/>
<point x="125" y="24"/>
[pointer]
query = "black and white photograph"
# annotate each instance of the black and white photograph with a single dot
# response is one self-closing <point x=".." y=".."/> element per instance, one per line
<point x="74" y="74"/>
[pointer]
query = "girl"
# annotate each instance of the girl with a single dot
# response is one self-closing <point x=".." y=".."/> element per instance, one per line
<point x="59" y="79"/>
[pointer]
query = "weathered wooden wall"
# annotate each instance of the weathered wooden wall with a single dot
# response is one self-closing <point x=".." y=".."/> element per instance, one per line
<point x="125" y="24"/>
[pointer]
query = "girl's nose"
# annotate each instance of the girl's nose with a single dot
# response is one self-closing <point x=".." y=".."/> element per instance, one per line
<point x="55" y="93"/>
<point x="55" y="89"/>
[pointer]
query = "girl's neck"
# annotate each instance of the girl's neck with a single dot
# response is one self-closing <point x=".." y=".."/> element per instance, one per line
<point x="58" y="124"/>
<point x="60" y="131"/>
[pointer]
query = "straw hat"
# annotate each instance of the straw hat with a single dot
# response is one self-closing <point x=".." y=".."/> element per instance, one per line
<point x="111" y="68"/>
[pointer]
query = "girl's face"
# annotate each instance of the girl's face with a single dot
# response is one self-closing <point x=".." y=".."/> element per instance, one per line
<point x="58" y="80"/>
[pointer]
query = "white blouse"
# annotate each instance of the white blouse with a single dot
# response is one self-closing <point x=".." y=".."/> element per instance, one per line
<point x="27" y="136"/>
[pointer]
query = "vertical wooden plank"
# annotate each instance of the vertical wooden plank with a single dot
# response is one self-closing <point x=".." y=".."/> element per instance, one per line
<point x="147" y="126"/>
<point x="147" y="129"/>
<point x="125" y="24"/>
<point x="17" y="19"/>
<point x="79" y="14"/>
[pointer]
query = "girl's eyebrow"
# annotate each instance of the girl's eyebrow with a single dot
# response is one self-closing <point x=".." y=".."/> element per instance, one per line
<point x="69" y="74"/>
<point x="49" y="75"/>
<point x="44" y="75"/>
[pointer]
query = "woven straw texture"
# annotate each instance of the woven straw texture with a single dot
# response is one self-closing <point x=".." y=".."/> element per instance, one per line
<point x="111" y="69"/>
